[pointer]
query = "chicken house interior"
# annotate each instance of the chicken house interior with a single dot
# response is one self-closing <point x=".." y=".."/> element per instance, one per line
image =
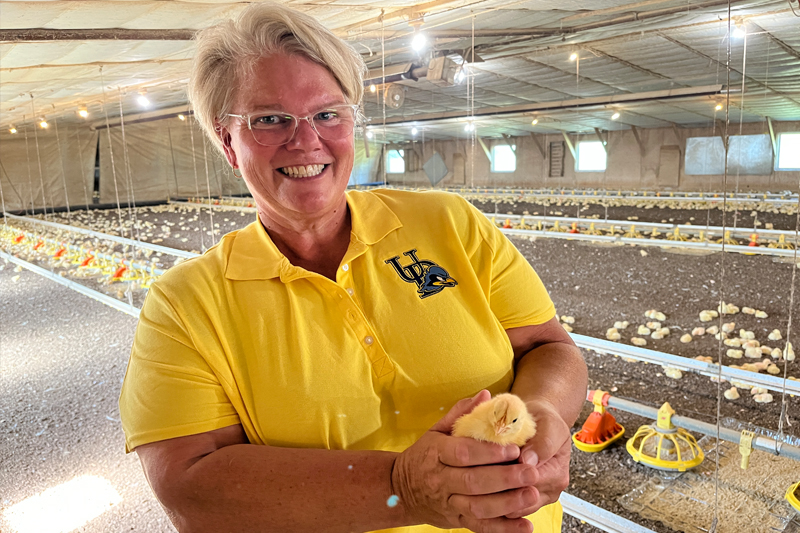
<point x="643" y="156"/>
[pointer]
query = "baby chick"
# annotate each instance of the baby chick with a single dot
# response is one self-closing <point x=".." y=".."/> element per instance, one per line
<point x="504" y="420"/>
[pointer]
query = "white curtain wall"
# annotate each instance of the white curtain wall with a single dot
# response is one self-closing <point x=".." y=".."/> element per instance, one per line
<point x="41" y="169"/>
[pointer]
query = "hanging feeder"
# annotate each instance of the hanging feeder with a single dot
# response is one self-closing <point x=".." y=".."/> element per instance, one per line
<point x="663" y="446"/>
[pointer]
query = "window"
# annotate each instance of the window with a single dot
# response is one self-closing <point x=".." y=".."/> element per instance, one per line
<point x="591" y="157"/>
<point x="504" y="159"/>
<point x="788" y="151"/>
<point x="747" y="155"/>
<point x="395" y="163"/>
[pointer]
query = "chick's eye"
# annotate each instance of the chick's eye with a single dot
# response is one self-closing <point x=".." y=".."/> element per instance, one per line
<point x="513" y="420"/>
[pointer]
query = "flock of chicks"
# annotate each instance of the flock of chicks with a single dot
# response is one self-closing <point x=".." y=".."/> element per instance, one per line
<point x="765" y="357"/>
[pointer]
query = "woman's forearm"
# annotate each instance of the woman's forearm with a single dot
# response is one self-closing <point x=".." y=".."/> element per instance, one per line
<point x="261" y="488"/>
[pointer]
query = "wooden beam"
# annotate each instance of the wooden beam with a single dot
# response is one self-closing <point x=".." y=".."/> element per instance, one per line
<point x="602" y="139"/>
<point x="635" y="131"/>
<point x="105" y="34"/>
<point x="510" y="144"/>
<point x="772" y="137"/>
<point x="722" y="131"/>
<point x="569" y="145"/>
<point x="485" y="149"/>
<point x="677" y="131"/>
<point x="539" y="145"/>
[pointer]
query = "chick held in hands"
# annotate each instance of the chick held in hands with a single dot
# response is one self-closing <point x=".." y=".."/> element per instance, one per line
<point x="503" y="420"/>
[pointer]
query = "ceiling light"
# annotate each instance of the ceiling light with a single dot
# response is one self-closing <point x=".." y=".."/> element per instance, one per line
<point x="43" y="123"/>
<point x="182" y="117"/>
<point x="573" y="56"/>
<point x="83" y="112"/>
<point x="615" y="116"/>
<point x="12" y="130"/>
<point x="740" y="32"/>
<point x="372" y="88"/>
<point x="419" y="42"/>
<point x="414" y="131"/>
<point x="469" y="127"/>
<point x="534" y="122"/>
<point x="143" y="100"/>
<point x="369" y="134"/>
<point x="718" y="107"/>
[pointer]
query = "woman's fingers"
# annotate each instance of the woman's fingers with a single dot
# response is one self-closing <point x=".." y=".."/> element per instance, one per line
<point x="479" y="480"/>
<point x="493" y="505"/>
<point x="463" y="451"/>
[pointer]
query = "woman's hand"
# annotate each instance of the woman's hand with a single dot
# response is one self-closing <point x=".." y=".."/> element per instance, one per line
<point x="548" y="451"/>
<point x="453" y="482"/>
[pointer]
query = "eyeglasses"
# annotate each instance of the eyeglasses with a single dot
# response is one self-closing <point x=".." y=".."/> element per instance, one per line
<point x="276" y="128"/>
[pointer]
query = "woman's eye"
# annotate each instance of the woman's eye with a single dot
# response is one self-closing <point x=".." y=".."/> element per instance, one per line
<point x="267" y="120"/>
<point x="326" y="115"/>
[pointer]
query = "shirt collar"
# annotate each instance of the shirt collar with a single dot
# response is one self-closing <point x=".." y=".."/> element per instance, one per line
<point x="254" y="256"/>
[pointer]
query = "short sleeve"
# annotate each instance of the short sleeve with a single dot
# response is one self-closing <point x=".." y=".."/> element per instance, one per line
<point x="517" y="296"/>
<point x="169" y="389"/>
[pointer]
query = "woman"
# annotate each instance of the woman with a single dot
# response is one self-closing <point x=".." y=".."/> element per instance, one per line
<point x="304" y="374"/>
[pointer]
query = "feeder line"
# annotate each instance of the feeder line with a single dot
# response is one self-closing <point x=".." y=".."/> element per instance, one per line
<point x="113" y="258"/>
<point x="99" y="296"/>
<point x="106" y="236"/>
<point x="599" y="517"/>
<point x="762" y="443"/>
<point x="766" y="381"/>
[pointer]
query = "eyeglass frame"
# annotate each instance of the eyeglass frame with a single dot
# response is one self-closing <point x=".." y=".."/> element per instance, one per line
<point x="357" y="119"/>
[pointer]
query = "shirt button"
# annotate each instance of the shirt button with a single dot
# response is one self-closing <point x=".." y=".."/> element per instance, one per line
<point x="345" y="267"/>
<point x="368" y="340"/>
<point x="350" y="291"/>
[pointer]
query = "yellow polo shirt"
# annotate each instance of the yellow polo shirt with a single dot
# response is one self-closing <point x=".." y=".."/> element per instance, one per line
<point x="414" y="322"/>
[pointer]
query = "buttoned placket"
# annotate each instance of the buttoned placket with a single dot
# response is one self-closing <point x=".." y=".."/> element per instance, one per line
<point x="345" y="297"/>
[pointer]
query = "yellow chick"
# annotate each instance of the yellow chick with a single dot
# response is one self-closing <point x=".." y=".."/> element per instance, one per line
<point x="504" y="420"/>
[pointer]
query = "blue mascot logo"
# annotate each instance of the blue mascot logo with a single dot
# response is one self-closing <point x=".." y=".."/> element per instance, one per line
<point x="429" y="277"/>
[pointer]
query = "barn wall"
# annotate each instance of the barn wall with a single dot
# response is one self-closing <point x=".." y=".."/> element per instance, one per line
<point x="626" y="168"/>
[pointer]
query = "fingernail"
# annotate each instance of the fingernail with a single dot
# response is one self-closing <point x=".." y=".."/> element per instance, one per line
<point x="530" y="457"/>
<point x="511" y="452"/>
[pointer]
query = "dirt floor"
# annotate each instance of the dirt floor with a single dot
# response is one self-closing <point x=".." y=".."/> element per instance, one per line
<point x="598" y="285"/>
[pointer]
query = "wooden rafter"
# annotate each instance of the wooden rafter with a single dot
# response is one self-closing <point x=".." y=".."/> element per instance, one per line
<point x="638" y="138"/>
<point x="539" y="145"/>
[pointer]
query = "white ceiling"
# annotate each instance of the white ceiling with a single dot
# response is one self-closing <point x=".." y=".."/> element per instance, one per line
<point x="625" y="47"/>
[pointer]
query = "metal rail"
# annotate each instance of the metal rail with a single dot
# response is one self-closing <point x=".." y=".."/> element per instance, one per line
<point x="99" y="296"/>
<point x="766" y="381"/>
<point x="599" y="517"/>
<point x="765" y="444"/>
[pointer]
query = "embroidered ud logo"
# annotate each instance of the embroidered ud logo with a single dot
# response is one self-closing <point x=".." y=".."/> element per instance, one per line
<point x="429" y="277"/>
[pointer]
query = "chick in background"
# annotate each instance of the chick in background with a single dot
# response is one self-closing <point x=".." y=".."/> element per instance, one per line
<point x="503" y="420"/>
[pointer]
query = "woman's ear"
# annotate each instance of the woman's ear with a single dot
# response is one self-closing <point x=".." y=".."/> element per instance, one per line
<point x="225" y="138"/>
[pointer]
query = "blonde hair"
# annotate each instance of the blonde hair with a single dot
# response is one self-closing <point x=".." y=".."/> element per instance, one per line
<point x="228" y="50"/>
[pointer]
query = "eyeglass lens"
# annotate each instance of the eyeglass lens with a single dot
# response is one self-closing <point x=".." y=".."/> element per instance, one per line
<point x="275" y="129"/>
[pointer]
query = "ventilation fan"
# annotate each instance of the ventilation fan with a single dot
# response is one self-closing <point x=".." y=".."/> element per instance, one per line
<point x="394" y="96"/>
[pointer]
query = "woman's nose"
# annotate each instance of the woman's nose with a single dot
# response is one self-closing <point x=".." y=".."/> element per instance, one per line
<point x="305" y="136"/>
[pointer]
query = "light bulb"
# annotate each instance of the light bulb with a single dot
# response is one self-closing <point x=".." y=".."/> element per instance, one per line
<point x="469" y="127"/>
<point x="369" y="134"/>
<point x="83" y="112"/>
<point x="740" y="31"/>
<point x="573" y="56"/>
<point x="43" y="124"/>
<point x="534" y="122"/>
<point x="718" y="107"/>
<point x="414" y="131"/>
<point x="615" y="116"/>
<point x="143" y="101"/>
<point x="419" y="42"/>
<point x="12" y="130"/>
<point x="372" y="88"/>
<point x="182" y="117"/>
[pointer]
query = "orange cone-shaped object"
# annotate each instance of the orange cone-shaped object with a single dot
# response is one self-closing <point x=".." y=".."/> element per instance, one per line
<point x="600" y="428"/>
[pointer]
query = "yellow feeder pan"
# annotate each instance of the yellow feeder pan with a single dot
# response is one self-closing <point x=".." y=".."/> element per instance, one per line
<point x="792" y="496"/>
<point x="663" y="446"/>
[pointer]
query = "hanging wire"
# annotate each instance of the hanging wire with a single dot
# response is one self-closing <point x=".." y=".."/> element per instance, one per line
<point x="128" y="174"/>
<point x="715" y="520"/>
<point x="83" y="178"/>
<point x="111" y="156"/>
<point x="384" y="152"/>
<point x="471" y="100"/>
<point x="196" y="182"/>
<point x="30" y="178"/>
<point x="741" y="115"/>
<point x="39" y="159"/>
<point x="63" y="172"/>
<point x="208" y="187"/>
